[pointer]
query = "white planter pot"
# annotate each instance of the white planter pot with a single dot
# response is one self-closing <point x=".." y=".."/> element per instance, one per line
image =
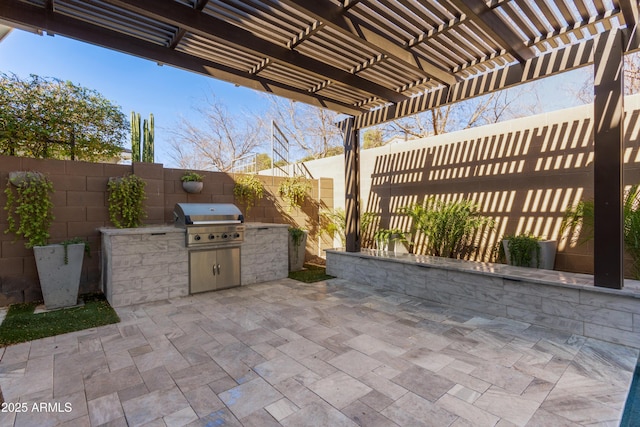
<point x="193" y="187"/>
<point x="297" y="254"/>
<point x="59" y="281"/>
<point x="548" y="250"/>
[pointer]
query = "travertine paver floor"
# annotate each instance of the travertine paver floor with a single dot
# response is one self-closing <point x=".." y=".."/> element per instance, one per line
<point x="326" y="354"/>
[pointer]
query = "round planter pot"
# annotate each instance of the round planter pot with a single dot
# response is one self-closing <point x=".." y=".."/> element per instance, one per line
<point x="59" y="281"/>
<point x="193" y="187"/>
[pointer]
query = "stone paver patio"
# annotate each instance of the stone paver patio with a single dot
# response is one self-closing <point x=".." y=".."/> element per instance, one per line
<point x="326" y="354"/>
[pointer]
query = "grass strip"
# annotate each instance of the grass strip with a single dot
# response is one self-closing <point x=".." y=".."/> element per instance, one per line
<point x="311" y="273"/>
<point x="21" y="324"/>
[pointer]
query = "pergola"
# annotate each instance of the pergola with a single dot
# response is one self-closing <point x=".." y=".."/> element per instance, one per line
<point x="379" y="60"/>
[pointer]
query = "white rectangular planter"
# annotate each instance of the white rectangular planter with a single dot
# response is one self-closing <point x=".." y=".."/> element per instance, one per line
<point x="548" y="250"/>
<point x="59" y="281"/>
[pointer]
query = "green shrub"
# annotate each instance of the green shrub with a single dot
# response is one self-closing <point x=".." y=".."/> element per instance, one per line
<point x="449" y="228"/>
<point x="248" y="190"/>
<point x="521" y="249"/>
<point x="126" y="197"/>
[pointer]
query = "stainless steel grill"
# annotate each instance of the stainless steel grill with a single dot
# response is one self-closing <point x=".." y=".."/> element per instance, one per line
<point x="210" y="224"/>
<point x="214" y="232"/>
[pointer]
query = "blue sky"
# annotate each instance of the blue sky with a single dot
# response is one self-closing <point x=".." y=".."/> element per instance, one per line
<point x="167" y="92"/>
<point x="133" y="83"/>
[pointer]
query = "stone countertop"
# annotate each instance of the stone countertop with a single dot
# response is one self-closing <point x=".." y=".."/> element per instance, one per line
<point x="149" y="229"/>
<point x="170" y="228"/>
<point x="265" y="225"/>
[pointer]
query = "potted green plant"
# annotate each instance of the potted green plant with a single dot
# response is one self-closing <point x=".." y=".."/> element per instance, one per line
<point x="294" y="190"/>
<point x="248" y="190"/>
<point x="297" y="248"/>
<point x="386" y="239"/>
<point x="126" y="197"/>
<point x="526" y="250"/>
<point x="29" y="215"/>
<point x="192" y="182"/>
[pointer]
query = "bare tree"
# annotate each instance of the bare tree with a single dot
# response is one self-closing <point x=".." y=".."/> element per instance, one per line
<point x="217" y="140"/>
<point x="631" y="79"/>
<point x="492" y="108"/>
<point x="312" y="130"/>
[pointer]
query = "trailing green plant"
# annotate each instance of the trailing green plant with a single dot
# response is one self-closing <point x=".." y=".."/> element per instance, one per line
<point x="248" y="190"/>
<point x="29" y="208"/>
<point x="450" y="228"/>
<point x="75" y="241"/>
<point x="126" y="197"/>
<point x="521" y="249"/>
<point x="294" y="190"/>
<point x="191" y="177"/>
<point x="297" y="235"/>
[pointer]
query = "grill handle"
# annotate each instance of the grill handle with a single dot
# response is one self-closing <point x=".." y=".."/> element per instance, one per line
<point x="218" y="269"/>
<point x="214" y="269"/>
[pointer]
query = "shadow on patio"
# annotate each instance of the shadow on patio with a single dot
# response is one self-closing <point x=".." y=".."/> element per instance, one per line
<point x="326" y="354"/>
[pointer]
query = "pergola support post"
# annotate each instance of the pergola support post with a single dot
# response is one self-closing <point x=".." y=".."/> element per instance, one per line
<point x="608" y="262"/>
<point x="351" y="184"/>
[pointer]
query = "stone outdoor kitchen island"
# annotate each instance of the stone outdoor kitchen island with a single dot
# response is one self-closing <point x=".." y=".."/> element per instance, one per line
<point x="152" y="263"/>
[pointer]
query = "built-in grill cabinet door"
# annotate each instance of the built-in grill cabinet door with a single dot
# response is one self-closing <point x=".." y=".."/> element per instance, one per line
<point x="228" y="268"/>
<point x="214" y="269"/>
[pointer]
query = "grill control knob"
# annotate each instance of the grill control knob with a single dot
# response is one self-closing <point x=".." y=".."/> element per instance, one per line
<point x="236" y="235"/>
<point x="212" y="236"/>
<point x="196" y="237"/>
<point x="224" y="236"/>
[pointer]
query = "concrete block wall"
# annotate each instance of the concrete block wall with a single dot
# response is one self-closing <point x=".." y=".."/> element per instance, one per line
<point x="81" y="208"/>
<point x="523" y="173"/>
<point x="562" y="301"/>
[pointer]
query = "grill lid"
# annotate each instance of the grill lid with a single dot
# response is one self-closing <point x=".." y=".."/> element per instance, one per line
<point x="206" y="213"/>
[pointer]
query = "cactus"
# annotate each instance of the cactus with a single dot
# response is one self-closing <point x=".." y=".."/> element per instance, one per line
<point x="135" y="136"/>
<point x="149" y="134"/>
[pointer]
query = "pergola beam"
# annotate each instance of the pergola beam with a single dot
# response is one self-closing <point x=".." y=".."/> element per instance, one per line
<point x="39" y="18"/>
<point x="333" y="16"/>
<point x="207" y="26"/>
<point x="546" y="65"/>
<point x="493" y="25"/>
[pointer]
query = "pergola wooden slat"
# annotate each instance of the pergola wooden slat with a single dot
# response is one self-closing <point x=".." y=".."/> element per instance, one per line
<point x="373" y="60"/>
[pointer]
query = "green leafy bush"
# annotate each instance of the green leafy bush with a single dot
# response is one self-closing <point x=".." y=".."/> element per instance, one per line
<point x="191" y="177"/>
<point x="29" y="208"/>
<point x="248" y="190"/>
<point x="521" y="249"/>
<point x="126" y="197"/>
<point x="294" y="190"/>
<point x="449" y="228"/>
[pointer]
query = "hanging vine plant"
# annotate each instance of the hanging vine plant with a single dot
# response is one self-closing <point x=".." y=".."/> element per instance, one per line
<point x="248" y="190"/>
<point x="126" y="197"/>
<point x="29" y="207"/>
<point x="294" y="190"/>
